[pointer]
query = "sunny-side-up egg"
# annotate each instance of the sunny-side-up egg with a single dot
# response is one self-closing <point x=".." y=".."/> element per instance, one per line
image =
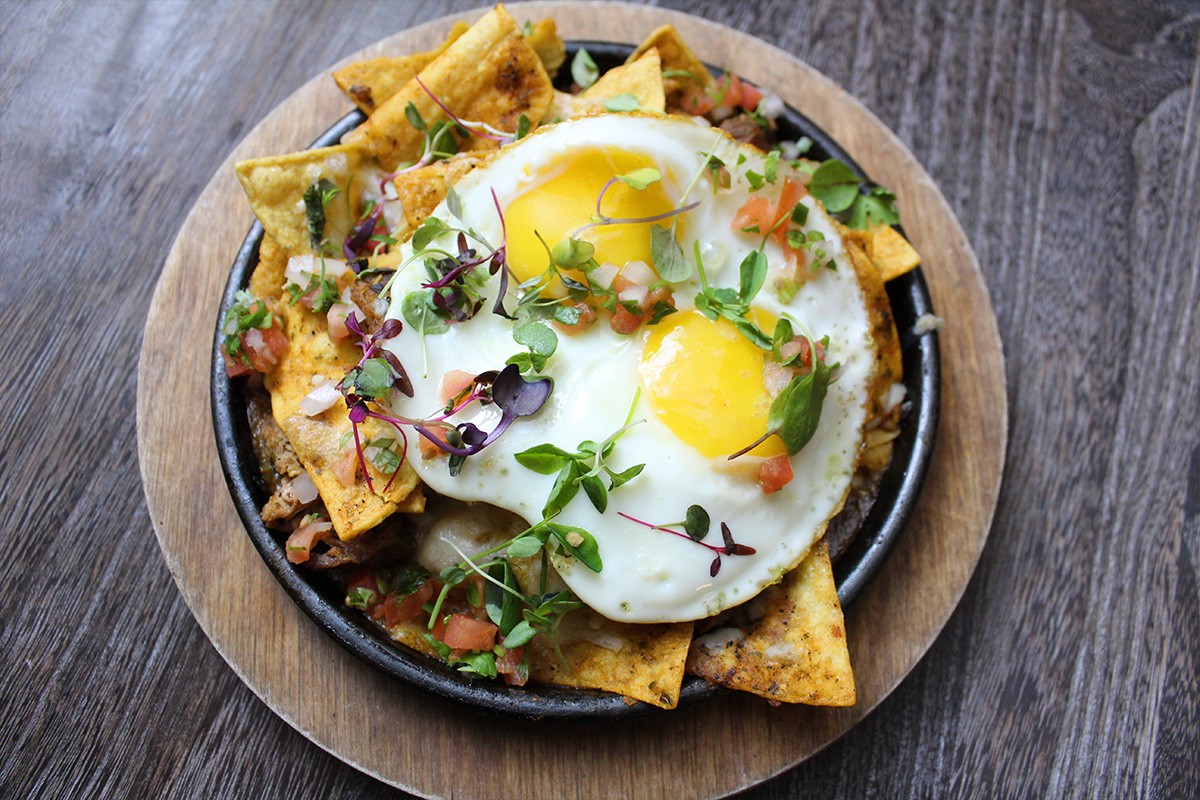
<point x="698" y="384"/>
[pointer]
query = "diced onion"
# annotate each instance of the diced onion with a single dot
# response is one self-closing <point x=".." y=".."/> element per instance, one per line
<point x="720" y="638"/>
<point x="319" y="399"/>
<point x="300" y="269"/>
<point x="603" y="275"/>
<point x="638" y="272"/>
<point x="634" y="294"/>
<point x="609" y="641"/>
<point x="771" y="106"/>
<point x="303" y="488"/>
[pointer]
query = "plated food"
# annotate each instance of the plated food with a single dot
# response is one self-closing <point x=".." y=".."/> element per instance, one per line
<point x="567" y="388"/>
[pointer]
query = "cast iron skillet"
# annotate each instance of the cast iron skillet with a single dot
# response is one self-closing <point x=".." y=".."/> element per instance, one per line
<point x="323" y="601"/>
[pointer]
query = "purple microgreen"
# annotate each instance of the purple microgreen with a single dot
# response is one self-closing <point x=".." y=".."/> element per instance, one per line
<point x="697" y="520"/>
<point x="481" y="129"/>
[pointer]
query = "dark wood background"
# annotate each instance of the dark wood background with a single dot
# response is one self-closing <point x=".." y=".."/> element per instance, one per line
<point x="1066" y="136"/>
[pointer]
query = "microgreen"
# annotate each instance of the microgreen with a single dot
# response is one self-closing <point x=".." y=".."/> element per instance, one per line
<point x="321" y="290"/>
<point x="732" y="304"/>
<point x="583" y="69"/>
<point x="480" y="129"/>
<point x="796" y="411"/>
<point x="581" y="469"/>
<point x="840" y="191"/>
<point x="695" y="526"/>
<point x="625" y="101"/>
<point x="246" y="312"/>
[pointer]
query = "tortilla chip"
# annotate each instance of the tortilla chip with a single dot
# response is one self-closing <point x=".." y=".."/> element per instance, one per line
<point x="796" y="652"/>
<point x="888" y="250"/>
<point x="641" y="78"/>
<point x="275" y="187"/>
<point x="888" y="367"/>
<point x="548" y="45"/>
<point x="312" y="357"/>
<point x="266" y="282"/>
<point x="422" y="189"/>
<point x="647" y="667"/>
<point x="491" y="74"/>
<point x="676" y="58"/>
<point x="370" y="83"/>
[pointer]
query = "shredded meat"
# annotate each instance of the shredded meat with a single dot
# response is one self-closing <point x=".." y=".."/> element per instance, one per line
<point x="743" y="128"/>
<point x="364" y="296"/>
<point x="391" y="542"/>
<point x="277" y="460"/>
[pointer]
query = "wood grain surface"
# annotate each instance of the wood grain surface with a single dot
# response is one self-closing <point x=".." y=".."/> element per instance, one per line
<point x="1065" y="138"/>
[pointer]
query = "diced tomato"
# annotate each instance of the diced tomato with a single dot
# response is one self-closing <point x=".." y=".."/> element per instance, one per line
<point x="696" y="101"/>
<point x="345" y="469"/>
<point x="464" y="632"/>
<point x="299" y="545"/>
<point x="655" y="298"/>
<point x="405" y="609"/>
<point x="428" y="448"/>
<point x="775" y="473"/>
<point x="624" y="321"/>
<point x="758" y="212"/>
<point x="454" y="383"/>
<point x="264" y="346"/>
<point x="788" y="197"/>
<point x="729" y="89"/>
<point x="362" y="579"/>
<point x="587" y="318"/>
<point x="511" y="665"/>
<point x="750" y="98"/>
<point x="234" y="367"/>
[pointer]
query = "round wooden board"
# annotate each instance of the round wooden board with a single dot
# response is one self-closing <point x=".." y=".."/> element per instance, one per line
<point x="418" y="743"/>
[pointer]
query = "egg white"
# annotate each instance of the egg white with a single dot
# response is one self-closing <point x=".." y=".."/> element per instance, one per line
<point x="648" y="575"/>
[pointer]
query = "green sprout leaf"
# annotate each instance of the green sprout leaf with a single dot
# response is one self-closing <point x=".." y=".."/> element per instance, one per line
<point x="835" y="185"/>
<point x="420" y="312"/>
<point x="669" y="261"/>
<point x="639" y="179"/>
<point x="696" y="523"/>
<point x="583" y="69"/>
<point x="622" y="102"/>
<point x="878" y="207"/>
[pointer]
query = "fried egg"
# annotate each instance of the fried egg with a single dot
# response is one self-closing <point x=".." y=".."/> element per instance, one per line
<point x="695" y="388"/>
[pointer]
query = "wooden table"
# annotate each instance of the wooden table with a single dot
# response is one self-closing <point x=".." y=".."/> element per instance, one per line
<point x="1067" y="140"/>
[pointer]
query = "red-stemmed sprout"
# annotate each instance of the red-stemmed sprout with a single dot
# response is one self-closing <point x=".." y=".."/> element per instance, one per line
<point x="454" y="301"/>
<point x="695" y="528"/>
<point x="480" y="129"/>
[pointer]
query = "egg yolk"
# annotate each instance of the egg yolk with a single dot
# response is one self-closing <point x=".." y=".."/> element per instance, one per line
<point x="705" y="382"/>
<point x="563" y="199"/>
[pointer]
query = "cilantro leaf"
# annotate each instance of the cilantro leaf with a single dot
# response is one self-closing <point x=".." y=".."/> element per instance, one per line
<point x="878" y="207"/>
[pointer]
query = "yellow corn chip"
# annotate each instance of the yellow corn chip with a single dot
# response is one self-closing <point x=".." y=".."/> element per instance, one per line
<point x="548" y="45"/>
<point x="422" y="189"/>
<point x="491" y="74"/>
<point x="796" y="652"/>
<point x="370" y="83"/>
<point x="888" y="367"/>
<point x="275" y="187"/>
<point x="890" y="252"/>
<point x="644" y="662"/>
<point x="312" y="357"/>
<point x="887" y="249"/>
<point x="641" y="78"/>
<point x="677" y="59"/>
<point x="266" y="282"/>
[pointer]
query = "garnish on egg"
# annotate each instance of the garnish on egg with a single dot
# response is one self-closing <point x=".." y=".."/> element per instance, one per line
<point x="695" y="526"/>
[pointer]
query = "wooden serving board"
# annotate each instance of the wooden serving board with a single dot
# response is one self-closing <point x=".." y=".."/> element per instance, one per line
<point x="419" y="743"/>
